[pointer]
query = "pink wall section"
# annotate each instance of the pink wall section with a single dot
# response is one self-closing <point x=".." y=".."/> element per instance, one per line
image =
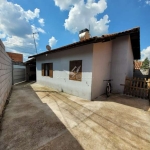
<point x="111" y="60"/>
<point x="101" y="67"/>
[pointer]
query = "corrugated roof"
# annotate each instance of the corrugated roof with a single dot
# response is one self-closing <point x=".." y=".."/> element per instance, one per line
<point x="134" y="35"/>
<point x="32" y="60"/>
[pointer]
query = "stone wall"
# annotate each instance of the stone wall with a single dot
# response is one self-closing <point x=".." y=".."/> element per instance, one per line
<point x="5" y="76"/>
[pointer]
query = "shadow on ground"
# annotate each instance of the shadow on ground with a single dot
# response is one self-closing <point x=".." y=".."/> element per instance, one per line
<point x="30" y="124"/>
<point x="99" y="125"/>
<point x="44" y="119"/>
<point x="127" y="100"/>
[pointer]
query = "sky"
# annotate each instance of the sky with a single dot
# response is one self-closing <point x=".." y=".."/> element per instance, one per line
<point x="58" y="22"/>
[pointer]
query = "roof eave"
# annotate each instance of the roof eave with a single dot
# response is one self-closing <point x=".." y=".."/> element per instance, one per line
<point x="77" y="44"/>
<point x="134" y="42"/>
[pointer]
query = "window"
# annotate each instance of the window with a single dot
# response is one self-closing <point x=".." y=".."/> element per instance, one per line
<point x="47" y="69"/>
<point x="75" y="70"/>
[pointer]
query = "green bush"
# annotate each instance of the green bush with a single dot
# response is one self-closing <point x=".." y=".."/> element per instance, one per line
<point x="145" y="64"/>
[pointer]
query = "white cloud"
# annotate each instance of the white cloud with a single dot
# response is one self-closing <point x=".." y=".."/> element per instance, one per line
<point x="35" y="29"/>
<point x="20" y="45"/>
<point x="2" y="35"/>
<point x="16" y="29"/>
<point x="65" y="4"/>
<point x="145" y="53"/>
<point x="29" y="15"/>
<point x="147" y="2"/>
<point x="82" y="14"/>
<point x="40" y="30"/>
<point x="41" y="21"/>
<point x="52" y="41"/>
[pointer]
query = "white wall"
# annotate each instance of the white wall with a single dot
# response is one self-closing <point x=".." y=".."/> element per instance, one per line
<point x="130" y="58"/>
<point x="5" y="76"/>
<point x="60" y="80"/>
<point x="100" y="61"/>
<point x="122" y="62"/>
<point x="101" y="67"/>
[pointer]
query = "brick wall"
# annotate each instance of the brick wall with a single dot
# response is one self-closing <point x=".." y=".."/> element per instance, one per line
<point x="5" y="76"/>
<point x="16" y="56"/>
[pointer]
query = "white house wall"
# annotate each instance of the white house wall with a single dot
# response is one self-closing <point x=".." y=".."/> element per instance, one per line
<point x="61" y="61"/>
<point x="122" y="62"/>
<point x="130" y="59"/>
<point x="101" y="67"/>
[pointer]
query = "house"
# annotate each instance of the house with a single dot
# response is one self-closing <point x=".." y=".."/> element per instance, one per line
<point x="137" y="64"/>
<point x="16" y="57"/>
<point x="80" y="68"/>
<point x="140" y="72"/>
<point x="19" y="69"/>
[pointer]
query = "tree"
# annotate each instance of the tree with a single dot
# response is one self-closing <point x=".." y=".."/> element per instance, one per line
<point x="145" y="64"/>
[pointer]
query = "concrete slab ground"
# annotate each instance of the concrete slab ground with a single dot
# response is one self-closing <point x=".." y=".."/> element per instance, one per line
<point x="40" y="118"/>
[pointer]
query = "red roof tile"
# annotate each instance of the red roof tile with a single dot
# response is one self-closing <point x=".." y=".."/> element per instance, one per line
<point x="137" y="64"/>
<point x="134" y="36"/>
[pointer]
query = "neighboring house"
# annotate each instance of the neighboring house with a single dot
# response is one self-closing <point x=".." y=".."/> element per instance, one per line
<point x="137" y="64"/>
<point x="139" y="72"/>
<point x="19" y="72"/>
<point x="19" y="68"/>
<point x="16" y="57"/>
<point x="80" y="68"/>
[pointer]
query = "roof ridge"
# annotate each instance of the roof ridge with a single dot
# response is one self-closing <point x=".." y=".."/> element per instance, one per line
<point x="103" y="38"/>
<point x="129" y="30"/>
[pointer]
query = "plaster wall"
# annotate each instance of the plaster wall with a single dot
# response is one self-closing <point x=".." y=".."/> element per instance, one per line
<point x="102" y="53"/>
<point x="122" y="62"/>
<point x="61" y="61"/>
<point x="130" y="67"/>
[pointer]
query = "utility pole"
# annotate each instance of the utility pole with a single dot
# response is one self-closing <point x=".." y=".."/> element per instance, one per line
<point x="34" y="41"/>
<point x="89" y="31"/>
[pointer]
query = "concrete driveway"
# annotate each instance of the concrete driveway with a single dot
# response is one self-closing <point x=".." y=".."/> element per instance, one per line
<point x="42" y="118"/>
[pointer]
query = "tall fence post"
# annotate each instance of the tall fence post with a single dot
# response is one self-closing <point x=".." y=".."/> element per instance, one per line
<point x="149" y="90"/>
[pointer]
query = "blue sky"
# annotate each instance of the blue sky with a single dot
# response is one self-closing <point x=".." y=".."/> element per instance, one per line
<point x="59" y="21"/>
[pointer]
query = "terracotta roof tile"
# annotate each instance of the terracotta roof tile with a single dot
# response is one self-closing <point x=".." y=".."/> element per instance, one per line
<point x="16" y="56"/>
<point x="137" y="64"/>
<point x="134" y="35"/>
